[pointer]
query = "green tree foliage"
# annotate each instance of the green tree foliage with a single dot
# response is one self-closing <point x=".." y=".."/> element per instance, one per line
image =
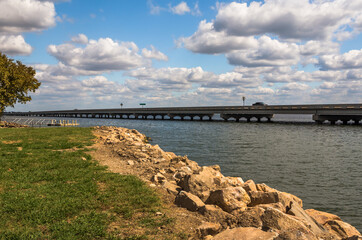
<point x="16" y="81"/>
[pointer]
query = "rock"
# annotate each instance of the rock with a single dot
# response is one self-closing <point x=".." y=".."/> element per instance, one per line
<point x="171" y="170"/>
<point x="279" y="206"/>
<point x="179" y="176"/>
<point x="293" y="197"/>
<point x="288" y="226"/>
<point x="264" y="188"/>
<point x="322" y="217"/>
<point x="188" y="201"/>
<point x="187" y="170"/>
<point x="231" y="181"/>
<point x="193" y="166"/>
<point x="245" y="233"/>
<point x="171" y="188"/>
<point x="130" y="162"/>
<point x="229" y="199"/>
<point x="216" y="214"/>
<point x="202" y="183"/>
<point x="341" y="229"/>
<point x="353" y="238"/>
<point x="257" y="198"/>
<point x="251" y="217"/>
<point x="208" y="228"/>
<point x="271" y="197"/>
<point x="141" y="155"/>
<point x="158" y="178"/>
<point x="249" y="186"/>
<point x="297" y="211"/>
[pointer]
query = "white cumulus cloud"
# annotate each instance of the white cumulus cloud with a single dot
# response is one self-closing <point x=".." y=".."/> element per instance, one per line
<point x="14" y="45"/>
<point x="80" y="38"/>
<point x="207" y="40"/>
<point x="269" y="52"/>
<point x="180" y="9"/>
<point x="348" y="60"/>
<point x="17" y="16"/>
<point x="103" y="54"/>
<point x="154" y="54"/>
<point x="302" y="19"/>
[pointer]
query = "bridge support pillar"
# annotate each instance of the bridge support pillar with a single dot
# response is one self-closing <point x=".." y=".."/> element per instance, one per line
<point x="248" y="120"/>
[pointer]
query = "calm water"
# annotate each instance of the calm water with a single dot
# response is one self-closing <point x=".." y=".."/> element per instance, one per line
<point x="321" y="164"/>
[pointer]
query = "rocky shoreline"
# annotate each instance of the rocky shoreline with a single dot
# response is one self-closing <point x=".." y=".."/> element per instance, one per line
<point x="4" y="124"/>
<point x="228" y="207"/>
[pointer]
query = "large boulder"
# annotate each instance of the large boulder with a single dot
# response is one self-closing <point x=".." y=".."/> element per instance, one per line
<point x="171" y="188"/>
<point x="341" y="229"/>
<point x="189" y="201"/>
<point x="251" y="217"/>
<point x="313" y="225"/>
<point x="216" y="214"/>
<point x="200" y="184"/>
<point x="322" y="217"/>
<point x="229" y="199"/>
<point x="250" y="186"/>
<point x="271" y="197"/>
<point x="286" y="225"/>
<point x="208" y="228"/>
<point x="265" y="188"/>
<point x="245" y="233"/>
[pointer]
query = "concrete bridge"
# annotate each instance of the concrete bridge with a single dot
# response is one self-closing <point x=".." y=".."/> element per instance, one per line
<point x="321" y="112"/>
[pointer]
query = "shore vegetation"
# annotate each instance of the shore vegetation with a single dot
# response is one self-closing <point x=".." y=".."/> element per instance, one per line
<point x="51" y="188"/>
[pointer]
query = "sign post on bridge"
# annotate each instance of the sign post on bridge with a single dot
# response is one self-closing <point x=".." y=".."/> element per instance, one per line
<point x="244" y="100"/>
<point x="143" y="104"/>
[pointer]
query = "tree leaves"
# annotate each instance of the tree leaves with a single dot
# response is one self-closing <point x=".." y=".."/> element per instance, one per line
<point x="16" y="82"/>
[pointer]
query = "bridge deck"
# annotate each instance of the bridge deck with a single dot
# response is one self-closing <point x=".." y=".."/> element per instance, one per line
<point x="320" y="112"/>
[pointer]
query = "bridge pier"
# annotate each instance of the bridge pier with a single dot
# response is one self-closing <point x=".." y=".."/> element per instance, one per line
<point x="334" y="118"/>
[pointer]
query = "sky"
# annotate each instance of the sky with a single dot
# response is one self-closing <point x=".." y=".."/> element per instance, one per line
<point x="101" y="53"/>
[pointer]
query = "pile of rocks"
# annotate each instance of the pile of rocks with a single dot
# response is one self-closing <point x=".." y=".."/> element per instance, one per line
<point x="4" y="124"/>
<point x="234" y="209"/>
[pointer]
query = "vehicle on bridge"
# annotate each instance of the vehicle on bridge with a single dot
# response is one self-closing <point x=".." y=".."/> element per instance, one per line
<point x="260" y="104"/>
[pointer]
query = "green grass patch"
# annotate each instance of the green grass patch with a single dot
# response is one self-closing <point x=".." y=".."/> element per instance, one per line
<point x="50" y="188"/>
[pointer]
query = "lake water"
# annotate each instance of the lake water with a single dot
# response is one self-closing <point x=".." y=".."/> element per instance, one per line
<point x="321" y="164"/>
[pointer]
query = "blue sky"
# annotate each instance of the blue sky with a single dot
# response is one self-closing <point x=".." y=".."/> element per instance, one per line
<point x="185" y="53"/>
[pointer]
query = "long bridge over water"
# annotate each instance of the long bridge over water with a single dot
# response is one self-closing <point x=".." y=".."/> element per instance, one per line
<point x="321" y="113"/>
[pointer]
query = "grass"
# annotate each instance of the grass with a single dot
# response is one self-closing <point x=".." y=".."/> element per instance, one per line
<point x="50" y="188"/>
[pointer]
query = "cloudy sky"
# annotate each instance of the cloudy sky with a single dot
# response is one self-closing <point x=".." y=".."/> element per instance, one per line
<point x="100" y="53"/>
